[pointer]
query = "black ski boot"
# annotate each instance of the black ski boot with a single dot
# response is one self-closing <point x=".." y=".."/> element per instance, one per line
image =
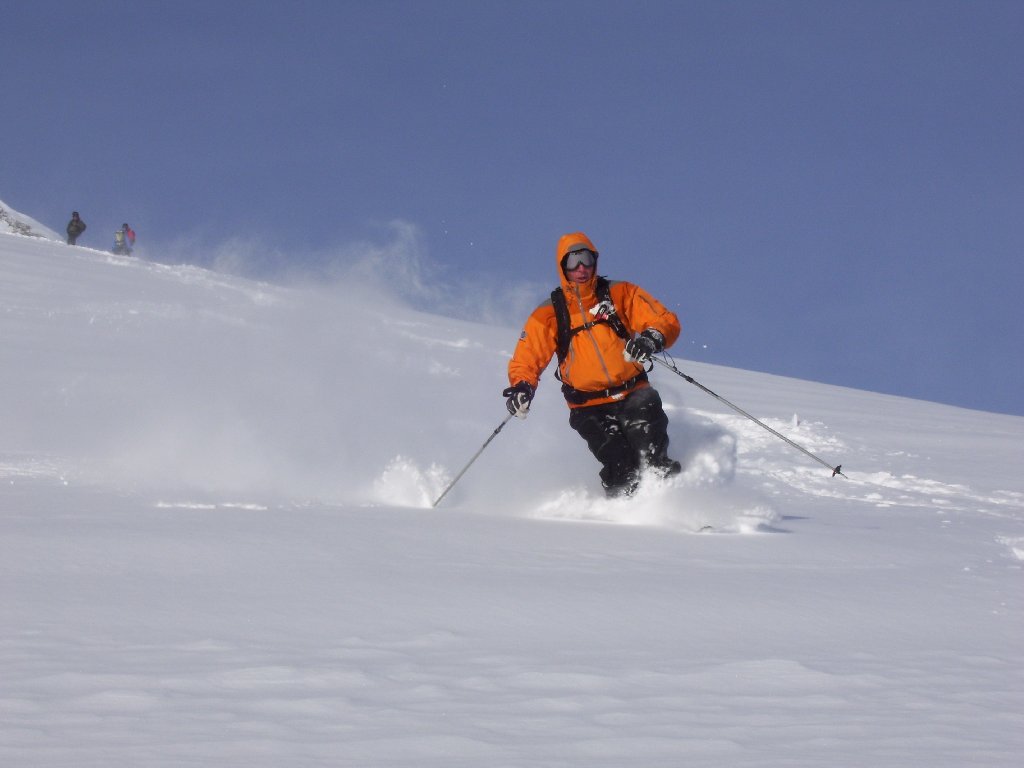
<point x="666" y="467"/>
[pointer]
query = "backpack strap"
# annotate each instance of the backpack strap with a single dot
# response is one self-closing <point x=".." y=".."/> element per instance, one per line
<point x="564" y="336"/>
<point x="604" y="293"/>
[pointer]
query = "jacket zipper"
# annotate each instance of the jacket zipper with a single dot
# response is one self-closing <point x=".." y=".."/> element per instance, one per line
<point x="590" y="335"/>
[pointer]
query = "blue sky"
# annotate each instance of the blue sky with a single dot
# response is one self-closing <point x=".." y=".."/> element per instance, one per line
<point x="827" y="190"/>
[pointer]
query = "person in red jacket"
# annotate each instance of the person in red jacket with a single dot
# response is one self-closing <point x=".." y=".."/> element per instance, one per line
<point x="129" y="236"/>
<point x="601" y="364"/>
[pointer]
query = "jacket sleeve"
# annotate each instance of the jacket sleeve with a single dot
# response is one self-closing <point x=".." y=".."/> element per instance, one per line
<point x="535" y="348"/>
<point x="641" y="311"/>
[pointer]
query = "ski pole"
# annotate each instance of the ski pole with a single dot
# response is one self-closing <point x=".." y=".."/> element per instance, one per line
<point x="487" y="442"/>
<point x="671" y="366"/>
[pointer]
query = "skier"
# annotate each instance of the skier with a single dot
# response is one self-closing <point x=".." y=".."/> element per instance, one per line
<point x="608" y="331"/>
<point x="75" y="227"/>
<point x="124" y="240"/>
<point x="120" y="244"/>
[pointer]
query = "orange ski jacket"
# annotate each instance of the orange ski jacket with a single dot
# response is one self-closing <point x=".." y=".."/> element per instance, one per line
<point x="594" y="361"/>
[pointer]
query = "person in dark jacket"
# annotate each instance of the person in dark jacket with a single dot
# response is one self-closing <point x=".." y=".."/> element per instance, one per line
<point x="75" y="227"/>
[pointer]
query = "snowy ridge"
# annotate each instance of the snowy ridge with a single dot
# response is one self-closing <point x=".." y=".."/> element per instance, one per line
<point x="217" y="547"/>
<point x="12" y="222"/>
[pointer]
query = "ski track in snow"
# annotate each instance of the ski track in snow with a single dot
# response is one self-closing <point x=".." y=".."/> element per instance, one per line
<point x="775" y="470"/>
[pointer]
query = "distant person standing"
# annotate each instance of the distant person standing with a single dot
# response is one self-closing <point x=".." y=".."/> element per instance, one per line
<point x="75" y="227"/>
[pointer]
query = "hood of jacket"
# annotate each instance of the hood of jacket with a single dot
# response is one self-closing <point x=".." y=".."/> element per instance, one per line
<point x="571" y="242"/>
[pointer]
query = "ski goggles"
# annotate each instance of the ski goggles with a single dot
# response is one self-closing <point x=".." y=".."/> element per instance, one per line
<point x="584" y="256"/>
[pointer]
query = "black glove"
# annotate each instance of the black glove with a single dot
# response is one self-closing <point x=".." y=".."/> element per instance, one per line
<point x="519" y="398"/>
<point x="640" y="349"/>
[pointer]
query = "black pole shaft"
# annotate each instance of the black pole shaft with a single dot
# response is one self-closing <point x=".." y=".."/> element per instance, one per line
<point x="835" y="470"/>
<point x="487" y="442"/>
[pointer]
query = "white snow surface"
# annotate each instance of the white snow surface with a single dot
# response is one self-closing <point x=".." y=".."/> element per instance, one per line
<point x="218" y="548"/>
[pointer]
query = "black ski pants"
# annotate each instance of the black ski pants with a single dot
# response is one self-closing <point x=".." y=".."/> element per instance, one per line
<point x="624" y="436"/>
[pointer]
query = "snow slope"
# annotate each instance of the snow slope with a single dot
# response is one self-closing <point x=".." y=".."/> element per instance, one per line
<point x="16" y="223"/>
<point x="217" y="547"/>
